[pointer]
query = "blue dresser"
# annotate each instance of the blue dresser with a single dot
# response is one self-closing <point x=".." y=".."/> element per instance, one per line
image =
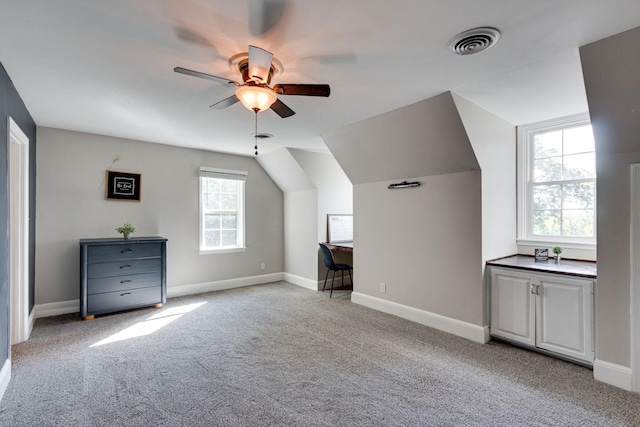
<point x="118" y="274"/>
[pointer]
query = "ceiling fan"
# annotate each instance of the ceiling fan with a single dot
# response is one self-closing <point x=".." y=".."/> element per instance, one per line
<point x="257" y="67"/>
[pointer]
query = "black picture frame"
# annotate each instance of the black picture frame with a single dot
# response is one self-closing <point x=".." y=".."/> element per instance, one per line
<point x="542" y="254"/>
<point x="123" y="186"/>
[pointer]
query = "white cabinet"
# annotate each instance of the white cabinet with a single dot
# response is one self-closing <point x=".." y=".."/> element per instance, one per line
<point x="547" y="311"/>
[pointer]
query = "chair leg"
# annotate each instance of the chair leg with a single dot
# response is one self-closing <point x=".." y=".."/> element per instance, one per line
<point x="325" y="280"/>
<point x="333" y="278"/>
<point x="342" y="287"/>
<point x="351" y="279"/>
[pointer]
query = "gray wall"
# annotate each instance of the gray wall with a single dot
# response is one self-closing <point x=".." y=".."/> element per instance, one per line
<point x="300" y="230"/>
<point x="425" y="243"/>
<point x="72" y="205"/>
<point x="11" y="105"/>
<point x="611" y="68"/>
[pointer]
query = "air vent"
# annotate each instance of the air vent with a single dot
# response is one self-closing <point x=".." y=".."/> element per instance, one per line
<point x="474" y="41"/>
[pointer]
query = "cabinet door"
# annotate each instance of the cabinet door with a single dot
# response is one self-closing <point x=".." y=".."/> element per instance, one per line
<point x="512" y="306"/>
<point x="565" y="316"/>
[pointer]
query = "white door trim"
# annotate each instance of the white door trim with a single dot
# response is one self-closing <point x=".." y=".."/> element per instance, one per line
<point x="18" y="173"/>
<point x="635" y="277"/>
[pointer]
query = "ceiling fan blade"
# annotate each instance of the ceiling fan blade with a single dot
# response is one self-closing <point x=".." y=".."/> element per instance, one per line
<point x="302" y="89"/>
<point x="205" y="76"/>
<point x="227" y="102"/>
<point x="264" y="15"/>
<point x="281" y="109"/>
<point x="259" y="63"/>
<point x="191" y="36"/>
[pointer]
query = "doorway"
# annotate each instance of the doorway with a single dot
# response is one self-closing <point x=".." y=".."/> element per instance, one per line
<point x="18" y="174"/>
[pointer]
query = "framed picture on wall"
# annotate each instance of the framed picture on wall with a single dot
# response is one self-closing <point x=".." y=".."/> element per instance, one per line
<point x="339" y="228"/>
<point x="123" y="186"/>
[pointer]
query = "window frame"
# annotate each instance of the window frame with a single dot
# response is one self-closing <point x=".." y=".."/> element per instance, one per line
<point x="235" y="175"/>
<point x="525" y="236"/>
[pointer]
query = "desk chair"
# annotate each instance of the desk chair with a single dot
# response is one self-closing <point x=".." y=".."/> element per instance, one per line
<point x="331" y="265"/>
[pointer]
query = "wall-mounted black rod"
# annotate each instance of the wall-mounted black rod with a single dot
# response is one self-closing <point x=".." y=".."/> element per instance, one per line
<point x="403" y="184"/>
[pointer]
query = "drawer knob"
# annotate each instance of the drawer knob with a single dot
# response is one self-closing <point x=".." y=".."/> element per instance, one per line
<point x="125" y="266"/>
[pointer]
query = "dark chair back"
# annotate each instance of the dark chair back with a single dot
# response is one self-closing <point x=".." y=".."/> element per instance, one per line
<point x="327" y="257"/>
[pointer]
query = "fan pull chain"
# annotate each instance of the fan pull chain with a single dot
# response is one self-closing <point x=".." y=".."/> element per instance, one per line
<point x="255" y="134"/>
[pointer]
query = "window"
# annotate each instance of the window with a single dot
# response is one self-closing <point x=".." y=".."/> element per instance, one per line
<point x="221" y="210"/>
<point x="557" y="183"/>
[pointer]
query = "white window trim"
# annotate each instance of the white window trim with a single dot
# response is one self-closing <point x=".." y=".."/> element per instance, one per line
<point x="524" y="154"/>
<point x="242" y="175"/>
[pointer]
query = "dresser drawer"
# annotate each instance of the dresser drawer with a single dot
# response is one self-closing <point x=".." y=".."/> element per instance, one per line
<point x="121" y="300"/>
<point x="120" y="283"/>
<point x="123" y="268"/>
<point x="124" y="251"/>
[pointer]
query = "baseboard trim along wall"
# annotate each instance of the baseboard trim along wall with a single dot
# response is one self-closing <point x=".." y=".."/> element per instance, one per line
<point x="301" y="281"/>
<point x="5" y="377"/>
<point x="221" y="285"/>
<point x="56" y="308"/>
<point x="73" y="306"/>
<point x="479" y="334"/>
<point x="612" y="374"/>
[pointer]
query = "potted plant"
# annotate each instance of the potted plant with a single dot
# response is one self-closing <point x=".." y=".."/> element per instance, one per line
<point x="557" y="250"/>
<point x="126" y="230"/>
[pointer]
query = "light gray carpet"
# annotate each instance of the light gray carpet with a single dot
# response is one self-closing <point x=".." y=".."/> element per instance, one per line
<point x="282" y="355"/>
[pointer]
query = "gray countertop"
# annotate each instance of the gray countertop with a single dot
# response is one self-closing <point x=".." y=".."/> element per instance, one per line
<point x="567" y="267"/>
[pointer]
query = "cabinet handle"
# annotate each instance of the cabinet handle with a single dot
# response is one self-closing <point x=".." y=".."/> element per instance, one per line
<point x="126" y="281"/>
<point x="533" y="289"/>
<point x="126" y="250"/>
<point x="126" y="293"/>
<point x="125" y="266"/>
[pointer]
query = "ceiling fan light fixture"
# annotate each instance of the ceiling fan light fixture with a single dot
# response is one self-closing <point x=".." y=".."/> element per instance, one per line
<point x="256" y="98"/>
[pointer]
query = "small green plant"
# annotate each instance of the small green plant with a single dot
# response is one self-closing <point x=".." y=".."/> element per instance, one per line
<point x="126" y="229"/>
<point x="557" y="250"/>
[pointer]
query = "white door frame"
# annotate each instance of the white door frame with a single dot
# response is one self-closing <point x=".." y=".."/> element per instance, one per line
<point x="18" y="174"/>
<point x="635" y="277"/>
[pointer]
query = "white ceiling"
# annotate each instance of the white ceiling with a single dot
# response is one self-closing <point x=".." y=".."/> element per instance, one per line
<point x="106" y="66"/>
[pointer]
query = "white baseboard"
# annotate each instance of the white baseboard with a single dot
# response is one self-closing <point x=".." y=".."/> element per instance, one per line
<point x="301" y="281"/>
<point x="479" y="334"/>
<point x="56" y="308"/>
<point x="5" y="377"/>
<point x="612" y="374"/>
<point x="73" y="306"/>
<point x="220" y="285"/>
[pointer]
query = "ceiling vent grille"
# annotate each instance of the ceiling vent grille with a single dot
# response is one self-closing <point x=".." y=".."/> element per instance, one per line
<point x="474" y="41"/>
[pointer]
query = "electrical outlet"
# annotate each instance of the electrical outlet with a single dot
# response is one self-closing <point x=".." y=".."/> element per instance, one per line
<point x="263" y="266"/>
<point x="383" y="287"/>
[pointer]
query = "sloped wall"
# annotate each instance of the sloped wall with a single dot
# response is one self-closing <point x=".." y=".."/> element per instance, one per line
<point x="422" y="139"/>
<point x="611" y="68"/>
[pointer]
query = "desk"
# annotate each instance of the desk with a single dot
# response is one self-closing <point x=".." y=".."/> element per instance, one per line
<point x="341" y="246"/>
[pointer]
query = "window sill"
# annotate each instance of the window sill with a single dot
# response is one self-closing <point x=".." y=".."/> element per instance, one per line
<point x="221" y="251"/>
<point x="551" y="243"/>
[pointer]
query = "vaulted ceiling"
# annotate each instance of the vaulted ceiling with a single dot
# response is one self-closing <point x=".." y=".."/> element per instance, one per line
<point x="106" y="67"/>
